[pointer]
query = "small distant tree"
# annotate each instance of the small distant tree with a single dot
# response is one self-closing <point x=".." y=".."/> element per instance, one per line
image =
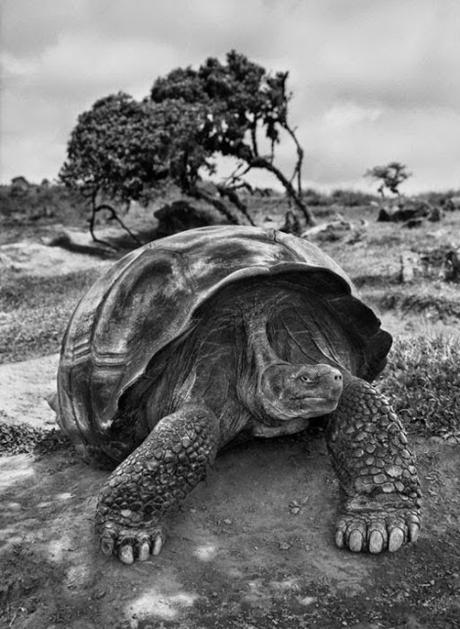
<point x="125" y="150"/>
<point x="390" y="177"/>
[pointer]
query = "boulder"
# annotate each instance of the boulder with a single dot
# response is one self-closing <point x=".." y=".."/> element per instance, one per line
<point x="451" y="203"/>
<point x="451" y="266"/>
<point x="338" y="229"/>
<point x="411" y="212"/>
<point x="409" y="266"/>
<point x="181" y="215"/>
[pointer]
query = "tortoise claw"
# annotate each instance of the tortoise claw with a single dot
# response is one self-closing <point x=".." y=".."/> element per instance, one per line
<point x="396" y="539"/>
<point x="376" y="531"/>
<point x="340" y="534"/>
<point x="126" y="554"/>
<point x="414" y="531"/>
<point x="158" y="545"/>
<point x="376" y="543"/>
<point x="414" y="527"/>
<point x="356" y="537"/>
<point x="378" y="537"/>
<point x="144" y="551"/>
<point x="107" y="545"/>
<point x="130" y="545"/>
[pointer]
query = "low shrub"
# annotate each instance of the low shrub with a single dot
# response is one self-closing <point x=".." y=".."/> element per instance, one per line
<point x="352" y="198"/>
<point x="38" y="202"/>
<point x="314" y="198"/>
<point x="438" y="198"/>
<point x="344" y="197"/>
<point x="436" y="307"/>
<point x="422" y="380"/>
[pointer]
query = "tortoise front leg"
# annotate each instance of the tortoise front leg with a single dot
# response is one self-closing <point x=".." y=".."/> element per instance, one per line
<point x="153" y="480"/>
<point x="376" y="470"/>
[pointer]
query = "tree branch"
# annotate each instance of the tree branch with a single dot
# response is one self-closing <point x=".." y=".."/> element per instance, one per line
<point x="235" y="176"/>
<point x="95" y="208"/>
<point x="114" y="216"/>
<point x="221" y="207"/>
<point x="300" y="156"/>
<point x="260" y="162"/>
<point x="255" y="148"/>
<point x="233" y="197"/>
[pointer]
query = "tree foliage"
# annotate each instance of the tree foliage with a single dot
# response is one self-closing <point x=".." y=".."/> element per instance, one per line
<point x="124" y="150"/>
<point x="390" y="176"/>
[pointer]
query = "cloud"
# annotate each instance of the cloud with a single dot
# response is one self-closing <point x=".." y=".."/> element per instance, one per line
<point x="344" y="115"/>
<point x="372" y="81"/>
<point x="426" y="140"/>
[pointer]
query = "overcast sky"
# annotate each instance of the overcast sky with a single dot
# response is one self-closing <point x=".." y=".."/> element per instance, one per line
<point x="373" y="80"/>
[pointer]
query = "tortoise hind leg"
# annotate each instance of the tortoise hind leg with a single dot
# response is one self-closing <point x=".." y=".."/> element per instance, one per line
<point x="376" y="470"/>
<point x="153" y="480"/>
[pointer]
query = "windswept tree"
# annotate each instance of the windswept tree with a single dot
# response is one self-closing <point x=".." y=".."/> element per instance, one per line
<point x="246" y="118"/>
<point x="124" y="150"/>
<point x="390" y="177"/>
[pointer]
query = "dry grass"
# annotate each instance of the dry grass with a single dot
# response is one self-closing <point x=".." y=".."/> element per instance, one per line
<point x="422" y="381"/>
<point x="34" y="312"/>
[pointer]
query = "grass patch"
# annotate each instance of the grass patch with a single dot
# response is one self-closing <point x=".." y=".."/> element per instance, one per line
<point x="34" y="312"/>
<point x="436" y="307"/>
<point x="422" y="381"/>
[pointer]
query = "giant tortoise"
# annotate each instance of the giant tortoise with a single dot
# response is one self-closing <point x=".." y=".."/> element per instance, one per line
<point x="195" y="339"/>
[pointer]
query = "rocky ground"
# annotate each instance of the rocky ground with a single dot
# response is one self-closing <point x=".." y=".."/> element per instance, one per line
<point x="251" y="548"/>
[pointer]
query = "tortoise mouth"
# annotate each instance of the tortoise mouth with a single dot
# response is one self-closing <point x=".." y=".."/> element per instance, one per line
<point x="316" y="398"/>
<point x="312" y="407"/>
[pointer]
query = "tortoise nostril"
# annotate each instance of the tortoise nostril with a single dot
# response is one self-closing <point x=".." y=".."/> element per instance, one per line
<point x="338" y="377"/>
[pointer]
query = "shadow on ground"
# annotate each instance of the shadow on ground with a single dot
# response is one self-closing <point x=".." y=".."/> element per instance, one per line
<point x="250" y="548"/>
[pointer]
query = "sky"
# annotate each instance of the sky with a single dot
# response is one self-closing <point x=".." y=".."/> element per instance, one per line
<point x="373" y="81"/>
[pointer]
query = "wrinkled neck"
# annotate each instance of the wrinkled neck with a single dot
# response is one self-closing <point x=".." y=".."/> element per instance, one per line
<point x="256" y="321"/>
<point x="348" y="379"/>
<point x="259" y="357"/>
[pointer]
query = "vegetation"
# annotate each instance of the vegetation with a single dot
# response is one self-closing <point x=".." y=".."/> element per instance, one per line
<point x="340" y="196"/>
<point x="390" y="176"/>
<point x="423" y="383"/>
<point x="21" y="438"/>
<point x="35" y="202"/>
<point x="123" y="150"/>
<point x="35" y="312"/>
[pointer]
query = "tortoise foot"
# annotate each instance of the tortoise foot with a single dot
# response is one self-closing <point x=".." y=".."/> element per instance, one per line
<point x="131" y="544"/>
<point x="377" y="531"/>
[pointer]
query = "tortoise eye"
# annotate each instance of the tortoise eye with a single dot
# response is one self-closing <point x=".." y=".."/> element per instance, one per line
<point x="305" y="378"/>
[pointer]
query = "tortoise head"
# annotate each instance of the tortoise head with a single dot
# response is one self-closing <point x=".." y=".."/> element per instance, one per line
<point x="287" y="391"/>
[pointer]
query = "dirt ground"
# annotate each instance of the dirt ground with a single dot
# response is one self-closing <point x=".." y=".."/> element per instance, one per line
<point x="250" y="548"/>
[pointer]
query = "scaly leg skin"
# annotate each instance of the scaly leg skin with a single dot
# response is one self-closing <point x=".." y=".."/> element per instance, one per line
<point x="152" y="481"/>
<point x="376" y="470"/>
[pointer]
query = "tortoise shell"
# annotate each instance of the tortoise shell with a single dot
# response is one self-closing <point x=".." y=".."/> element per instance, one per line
<point x="148" y="297"/>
